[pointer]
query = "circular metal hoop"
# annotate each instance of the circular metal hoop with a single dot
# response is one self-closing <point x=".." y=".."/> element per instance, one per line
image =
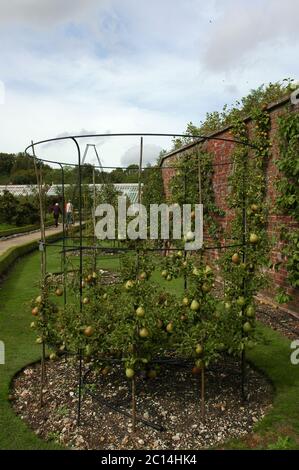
<point x="196" y="140"/>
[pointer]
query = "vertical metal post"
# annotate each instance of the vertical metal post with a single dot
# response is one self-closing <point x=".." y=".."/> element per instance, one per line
<point x="63" y="235"/>
<point x="139" y="191"/>
<point x="185" y="254"/>
<point x="134" y="403"/>
<point x="140" y="169"/>
<point x="199" y="179"/>
<point x="80" y="221"/>
<point x="80" y="274"/>
<point x="203" y="366"/>
<point x="43" y="266"/>
<point x="199" y="189"/>
<point x="203" y="393"/>
<point x="94" y="220"/>
<point x="79" y="388"/>
<point x="244" y="234"/>
<point x="137" y="269"/>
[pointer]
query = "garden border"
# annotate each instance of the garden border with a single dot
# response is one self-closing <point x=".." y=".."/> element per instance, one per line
<point x="23" y="230"/>
<point x="10" y="256"/>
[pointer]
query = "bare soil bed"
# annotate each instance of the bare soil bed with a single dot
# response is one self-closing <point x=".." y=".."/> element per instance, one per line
<point x="170" y="401"/>
<point x="279" y="320"/>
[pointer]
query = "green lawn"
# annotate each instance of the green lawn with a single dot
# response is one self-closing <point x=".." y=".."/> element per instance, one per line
<point x="6" y="226"/>
<point x="20" y="346"/>
<point x="279" y="429"/>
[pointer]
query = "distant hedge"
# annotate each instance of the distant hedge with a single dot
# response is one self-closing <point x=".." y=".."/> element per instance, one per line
<point x="24" y="229"/>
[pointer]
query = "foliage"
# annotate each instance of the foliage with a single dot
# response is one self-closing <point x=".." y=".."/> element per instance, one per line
<point x="23" y="177"/>
<point x="45" y="310"/>
<point x="242" y="265"/>
<point x="202" y="329"/>
<point x="153" y="189"/>
<point x="124" y="175"/>
<point x="71" y="193"/>
<point x="108" y="324"/>
<point x="26" y="212"/>
<point x="131" y="267"/>
<point x="136" y="321"/>
<point x="291" y="251"/>
<point x="8" y="207"/>
<point x="19" y="169"/>
<point x="107" y="195"/>
<point x="22" y="170"/>
<point x="20" y="211"/>
<point x="246" y="106"/>
<point x="191" y="130"/>
<point x="287" y="200"/>
<point x="153" y="192"/>
<point x="186" y="189"/>
<point x="288" y="165"/>
<point x="6" y="163"/>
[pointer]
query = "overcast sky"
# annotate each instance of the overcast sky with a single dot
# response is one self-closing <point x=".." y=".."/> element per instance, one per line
<point x="109" y="66"/>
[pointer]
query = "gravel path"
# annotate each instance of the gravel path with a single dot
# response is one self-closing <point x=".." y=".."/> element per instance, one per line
<point x="27" y="238"/>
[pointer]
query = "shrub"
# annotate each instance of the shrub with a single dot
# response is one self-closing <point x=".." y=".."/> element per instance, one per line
<point x="8" y="207"/>
<point x="26" y="213"/>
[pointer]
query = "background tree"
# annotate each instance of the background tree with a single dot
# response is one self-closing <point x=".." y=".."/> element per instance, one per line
<point x="8" y="207"/>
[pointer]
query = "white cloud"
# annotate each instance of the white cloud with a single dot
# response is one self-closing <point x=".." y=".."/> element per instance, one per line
<point x="134" y="66"/>
<point x="150" y="155"/>
<point x="41" y="12"/>
<point x="46" y="118"/>
<point x="241" y="31"/>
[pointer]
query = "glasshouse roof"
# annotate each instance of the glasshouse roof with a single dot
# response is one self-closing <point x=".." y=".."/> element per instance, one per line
<point x="128" y="189"/>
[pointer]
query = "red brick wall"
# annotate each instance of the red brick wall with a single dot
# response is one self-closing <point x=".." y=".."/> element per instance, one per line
<point x="222" y="151"/>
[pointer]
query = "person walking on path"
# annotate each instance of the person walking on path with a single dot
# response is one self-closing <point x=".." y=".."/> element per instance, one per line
<point x="56" y="212"/>
<point x="69" y="213"/>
